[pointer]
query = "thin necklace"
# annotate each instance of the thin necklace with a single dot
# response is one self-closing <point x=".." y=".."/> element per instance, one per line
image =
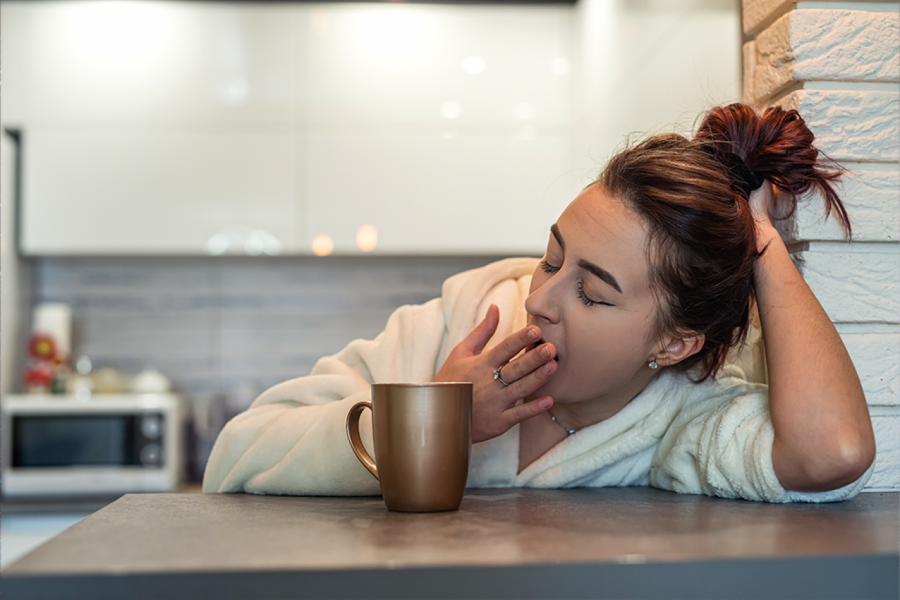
<point x="552" y="418"/>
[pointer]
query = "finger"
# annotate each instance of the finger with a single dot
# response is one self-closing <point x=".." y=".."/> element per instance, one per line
<point x="479" y="337"/>
<point x="528" y="362"/>
<point x="513" y="344"/>
<point x="527" y="385"/>
<point x="526" y="410"/>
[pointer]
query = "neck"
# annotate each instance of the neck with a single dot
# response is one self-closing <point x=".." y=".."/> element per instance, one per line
<point x="580" y="414"/>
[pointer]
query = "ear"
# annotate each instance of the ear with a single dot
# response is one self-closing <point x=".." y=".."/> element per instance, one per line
<point x="680" y="348"/>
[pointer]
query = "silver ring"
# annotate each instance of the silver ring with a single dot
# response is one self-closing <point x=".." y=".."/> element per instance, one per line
<point x="498" y="378"/>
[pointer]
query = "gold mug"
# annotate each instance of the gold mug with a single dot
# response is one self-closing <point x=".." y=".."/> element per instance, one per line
<point x="423" y="438"/>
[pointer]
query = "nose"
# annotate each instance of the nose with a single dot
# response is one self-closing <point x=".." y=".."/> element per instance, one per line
<point x="544" y="301"/>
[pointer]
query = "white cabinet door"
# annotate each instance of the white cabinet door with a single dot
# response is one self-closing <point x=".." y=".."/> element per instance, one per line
<point x="399" y="64"/>
<point x="440" y="196"/>
<point x="443" y="127"/>
<point x="163" y="62"/>
<point x="151" y="193"/>
<point x="153" y="127"/>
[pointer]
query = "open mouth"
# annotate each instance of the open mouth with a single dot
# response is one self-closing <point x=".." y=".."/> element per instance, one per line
<point x="538" y="343"/>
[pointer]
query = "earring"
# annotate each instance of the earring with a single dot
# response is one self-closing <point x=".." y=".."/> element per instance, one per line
<point x="653" y="364"/>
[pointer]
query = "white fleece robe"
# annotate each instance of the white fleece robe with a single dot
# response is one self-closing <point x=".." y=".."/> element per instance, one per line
<point x="712" y="438"/>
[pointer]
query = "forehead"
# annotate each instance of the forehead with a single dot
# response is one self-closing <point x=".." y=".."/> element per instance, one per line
<point x="601" y="229"/>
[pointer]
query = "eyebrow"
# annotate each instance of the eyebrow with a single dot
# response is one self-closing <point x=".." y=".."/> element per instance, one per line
<point x="600" y="272"/>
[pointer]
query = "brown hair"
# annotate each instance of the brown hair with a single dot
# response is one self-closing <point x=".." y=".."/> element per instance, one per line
<point x="694" y="198"/>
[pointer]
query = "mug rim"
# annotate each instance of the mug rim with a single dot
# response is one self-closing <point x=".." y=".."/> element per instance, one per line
<point x="432" y="384"/>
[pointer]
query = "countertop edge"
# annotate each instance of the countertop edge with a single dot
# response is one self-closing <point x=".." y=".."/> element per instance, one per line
<point x="859" y="576"/>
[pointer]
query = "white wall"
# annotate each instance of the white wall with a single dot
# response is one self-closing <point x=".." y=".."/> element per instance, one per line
<point x="846" y="85"/>
<point x="9" y="306"/>
<point x="14" y="273"/>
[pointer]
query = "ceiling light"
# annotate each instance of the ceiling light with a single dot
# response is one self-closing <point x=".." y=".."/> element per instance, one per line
<point x="322" y="245"/>
<point x="367" y="238"/>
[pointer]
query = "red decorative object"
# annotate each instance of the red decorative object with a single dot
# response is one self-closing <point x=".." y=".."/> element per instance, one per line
<point x="42" y="347"/>
<point x="40" y="374"/>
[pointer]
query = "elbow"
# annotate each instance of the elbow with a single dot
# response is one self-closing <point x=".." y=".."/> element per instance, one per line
<point x="845" y="461"/>
<point x="851" y="462"/>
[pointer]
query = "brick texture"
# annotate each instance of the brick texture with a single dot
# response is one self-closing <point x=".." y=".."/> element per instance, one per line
<point x="876" y="357"/>
<point x="871" y="199"/>
<point x="837" y="66"/>
<point x="853" y="286"/>
<point x="826" y="45"/>
<point x="887" y="461"/>
<point x="757" y="12"/>
<point x="851" y="125"/>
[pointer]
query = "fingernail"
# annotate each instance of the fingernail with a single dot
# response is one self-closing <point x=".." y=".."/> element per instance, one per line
<point x="533" y="334"/>
<point x="545" y="352"/>
<point x="548" y="367"/>
<point x="545" y="403"/>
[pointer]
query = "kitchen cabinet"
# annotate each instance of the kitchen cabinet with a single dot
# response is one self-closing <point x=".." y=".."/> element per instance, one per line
<point x="192" y="128"/>
<point x="445" y="128"/>
<point x="157" y="193"/>
<point x="147" y="64"/>
<point x="425" y="194"/>
<point x="160" y="128"/>
<point x="374" y="64"/>
<point x="178" y="129"/>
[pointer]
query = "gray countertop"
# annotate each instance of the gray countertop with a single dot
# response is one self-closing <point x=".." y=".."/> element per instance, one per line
<point x="520" y="543"/>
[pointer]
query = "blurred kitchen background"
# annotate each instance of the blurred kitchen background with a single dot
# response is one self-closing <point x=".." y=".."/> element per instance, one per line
<point x="199" y="199"/>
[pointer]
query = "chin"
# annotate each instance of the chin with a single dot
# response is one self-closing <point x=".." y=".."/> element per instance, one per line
<point x="544" y="390"/>
<point x="553" y="389"/>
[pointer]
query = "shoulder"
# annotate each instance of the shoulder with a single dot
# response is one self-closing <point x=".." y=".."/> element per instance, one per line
<point x="467" y="296"/>
<point x="479" y="282"/>
<point x="727" y="411"/>
<point x="729" y="384"/>
<point x="683" y="397"/>
<point x="678" y="405"/>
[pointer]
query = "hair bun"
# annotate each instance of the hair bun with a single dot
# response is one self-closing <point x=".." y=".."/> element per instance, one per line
<point x="777" y="146"/>
<point x="744" y="178"/>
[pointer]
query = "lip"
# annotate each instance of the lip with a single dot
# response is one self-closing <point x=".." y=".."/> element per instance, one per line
<point x="543" y="341"/>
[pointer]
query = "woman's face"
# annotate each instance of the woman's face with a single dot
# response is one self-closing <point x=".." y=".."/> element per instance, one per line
<point x="591" y="297"/>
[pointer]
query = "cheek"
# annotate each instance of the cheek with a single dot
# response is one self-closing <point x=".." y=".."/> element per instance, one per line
<point x="605" y="347"/>
<point x="603" y="356"/>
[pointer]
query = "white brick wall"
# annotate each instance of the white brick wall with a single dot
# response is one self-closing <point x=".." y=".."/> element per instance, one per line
<point x="871" y="199"/>
<point x="825" y="45"/>
<point x="857" y="125"/>
<point x="838" y="64"/>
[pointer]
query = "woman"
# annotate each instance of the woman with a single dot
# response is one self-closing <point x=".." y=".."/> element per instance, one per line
<point x="603" y="364"/>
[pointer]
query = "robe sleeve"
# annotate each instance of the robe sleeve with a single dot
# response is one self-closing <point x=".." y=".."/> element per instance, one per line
<point x="722" y="446"/>
<point x="292" y="440"/>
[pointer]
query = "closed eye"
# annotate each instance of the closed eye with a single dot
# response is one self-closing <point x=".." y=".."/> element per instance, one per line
<point x="582" y="297"/>
<point x="548" y="268"/>
<point x="587" y="301"/>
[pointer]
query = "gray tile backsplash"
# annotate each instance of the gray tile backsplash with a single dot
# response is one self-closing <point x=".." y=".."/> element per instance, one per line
<point x="232" y="326"/>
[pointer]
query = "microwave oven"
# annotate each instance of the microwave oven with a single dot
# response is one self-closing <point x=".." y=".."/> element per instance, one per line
<point x="110" y="444"/>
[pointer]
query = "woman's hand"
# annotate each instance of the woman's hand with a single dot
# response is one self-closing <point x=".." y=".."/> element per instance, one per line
<point x="763" y="203"/>
<point x="494" y="409"/>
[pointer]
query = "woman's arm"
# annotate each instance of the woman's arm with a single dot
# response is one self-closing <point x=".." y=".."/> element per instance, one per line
<point x="293" y="440"/>
<point x="823" y="432"/>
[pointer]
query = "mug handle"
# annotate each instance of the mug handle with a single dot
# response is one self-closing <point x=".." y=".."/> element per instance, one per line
<point x="355" y="441"/>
